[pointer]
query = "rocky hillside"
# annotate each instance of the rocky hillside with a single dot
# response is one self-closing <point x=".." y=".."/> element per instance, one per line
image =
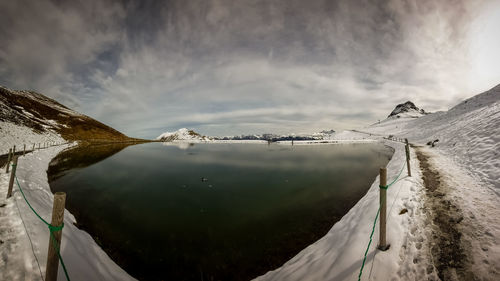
<point x="42" y="114"/>
<point x="407" y="109"/>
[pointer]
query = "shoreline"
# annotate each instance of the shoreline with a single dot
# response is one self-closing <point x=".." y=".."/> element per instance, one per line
<point x="338" y="255"/>
<point x="111" y="268"/>
<point x="77" y="247"/>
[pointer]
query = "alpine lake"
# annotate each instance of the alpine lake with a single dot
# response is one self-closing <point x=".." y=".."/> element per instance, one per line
<point x="211" y="211"/>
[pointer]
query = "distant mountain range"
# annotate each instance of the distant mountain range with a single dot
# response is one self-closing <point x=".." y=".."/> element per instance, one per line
<point x="407" y="109"/>
<point x="185" y="134"/>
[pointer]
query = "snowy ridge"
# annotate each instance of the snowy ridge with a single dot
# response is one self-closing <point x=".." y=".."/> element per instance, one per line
<point x="24" y="113"/>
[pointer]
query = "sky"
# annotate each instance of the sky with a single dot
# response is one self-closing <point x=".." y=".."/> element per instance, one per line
<point x="230" y="67"/>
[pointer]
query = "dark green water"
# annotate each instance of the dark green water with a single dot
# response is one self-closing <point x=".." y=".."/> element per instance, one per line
<point x="212" y="211"/>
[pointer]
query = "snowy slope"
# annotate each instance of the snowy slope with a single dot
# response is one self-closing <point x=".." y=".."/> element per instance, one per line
<point x="469" y="132"/>
<point x="14" y="135"/>
<point x="45" y="115"/>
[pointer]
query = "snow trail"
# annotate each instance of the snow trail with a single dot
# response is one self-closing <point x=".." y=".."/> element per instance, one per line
<point x="448" y="255"/>
<point x="467" y="208"/>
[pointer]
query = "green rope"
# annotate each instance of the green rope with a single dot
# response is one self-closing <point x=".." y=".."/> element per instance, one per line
<point x="369" y="243"/>
<point x="375" y="222"/>
<point x="24" y="196"/>
<point x="402" y="168"/>
<point x="52" y="229"/>
<point x="57" y="248"/>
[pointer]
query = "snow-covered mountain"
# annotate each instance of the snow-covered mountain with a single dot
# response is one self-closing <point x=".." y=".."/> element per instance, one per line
<point x="407" y="109"/>
<point x="182" y="134"/>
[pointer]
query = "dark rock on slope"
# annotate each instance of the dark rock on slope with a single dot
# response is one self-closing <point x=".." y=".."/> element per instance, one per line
<point x="407" y="107"/>
<point x="40" y="113"/>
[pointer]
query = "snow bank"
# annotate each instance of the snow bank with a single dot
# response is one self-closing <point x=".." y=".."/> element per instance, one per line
<point x="338" y="255"/>
<point x="84" y="259"/>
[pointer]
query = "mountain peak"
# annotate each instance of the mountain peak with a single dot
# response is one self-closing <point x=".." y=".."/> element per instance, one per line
<point x="409" y="109"/>
<point x="182" y="134"/>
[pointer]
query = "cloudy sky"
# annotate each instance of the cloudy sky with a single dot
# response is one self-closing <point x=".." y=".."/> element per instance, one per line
<point x="225" y="67"/>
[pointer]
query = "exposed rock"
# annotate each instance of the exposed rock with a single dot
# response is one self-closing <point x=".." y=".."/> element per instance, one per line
<point x="407" y="109"/>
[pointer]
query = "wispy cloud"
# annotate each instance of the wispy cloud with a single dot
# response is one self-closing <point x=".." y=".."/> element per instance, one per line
<point x="228" y="67"/>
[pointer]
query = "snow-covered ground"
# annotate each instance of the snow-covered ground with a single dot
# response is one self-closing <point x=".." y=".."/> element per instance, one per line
<point x="12" y="134"/>
<point x="24" y="260"/>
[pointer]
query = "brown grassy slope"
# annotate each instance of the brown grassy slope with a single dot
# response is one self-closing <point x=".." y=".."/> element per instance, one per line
<point x="37" y="111"/>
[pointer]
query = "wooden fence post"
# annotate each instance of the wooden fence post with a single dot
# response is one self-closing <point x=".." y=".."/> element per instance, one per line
<point x="24" y="150"/>
<point x="14" y="150"/>
<point x="12" y="176"/>
<point x="8" y="160"/>
<point x="407" y="148"/>
<point x="382" y="245"/>
<point x="57" y="220"/>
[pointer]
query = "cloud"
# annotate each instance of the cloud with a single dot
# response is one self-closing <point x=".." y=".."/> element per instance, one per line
<point x="231" y="67"/>
<point x="47" y="46"/>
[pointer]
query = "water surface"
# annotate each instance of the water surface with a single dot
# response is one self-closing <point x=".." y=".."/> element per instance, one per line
<point x="212" y="211"/>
